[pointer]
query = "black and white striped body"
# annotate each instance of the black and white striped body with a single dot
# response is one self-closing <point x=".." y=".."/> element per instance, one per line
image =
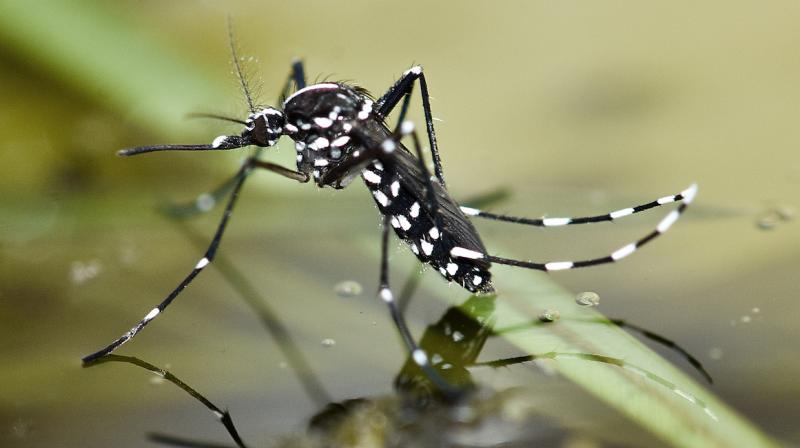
<point x="398" y="192"/>
<point x="333" y="125"/>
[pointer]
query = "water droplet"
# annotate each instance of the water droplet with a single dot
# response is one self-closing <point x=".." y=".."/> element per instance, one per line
<point x="767" y="222"/>
<point x="587" y="298"/>
<point x="157" y="380"/>
<point x="82" y="272"/>
<point x="328" y="342"/>
<point x="768" y="219"/>
<point x="746" y="319"/>
<point x="785" y="212"/>
<point x="715" y="353"/>
<point x="205" y="202"/>
<point x="348" y="288"/>
<point x="550" y="316"/>
<point x="756" y="310"/>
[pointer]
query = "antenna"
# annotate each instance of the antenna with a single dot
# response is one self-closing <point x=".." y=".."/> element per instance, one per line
<point x="239" y="73"/>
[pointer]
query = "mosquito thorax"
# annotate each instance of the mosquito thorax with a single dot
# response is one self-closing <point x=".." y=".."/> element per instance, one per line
<point x="320" y="118"/>
<point x="264" y="127"/>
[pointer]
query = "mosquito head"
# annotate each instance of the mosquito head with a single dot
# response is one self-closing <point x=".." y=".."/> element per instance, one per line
<point x="264" y="127"/>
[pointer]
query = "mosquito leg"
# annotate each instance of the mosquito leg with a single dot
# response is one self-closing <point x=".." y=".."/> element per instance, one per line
<point x="668" y="343"/>
<point x="418" y="355"/>
<point x="223" y="416"/>
<point x="402" y="90"/>
<point x="556" y="222"/>
<point x="207" y="258"/>
<point x="296" y="76"/>
<point x="277" y="328"/>
<point x="617" y="255"/>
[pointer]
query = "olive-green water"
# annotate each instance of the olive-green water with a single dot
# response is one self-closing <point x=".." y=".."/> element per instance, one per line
<point x="575" y="108"/>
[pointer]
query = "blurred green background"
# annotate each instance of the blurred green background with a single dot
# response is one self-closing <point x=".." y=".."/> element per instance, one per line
<point x="577" y="108"/>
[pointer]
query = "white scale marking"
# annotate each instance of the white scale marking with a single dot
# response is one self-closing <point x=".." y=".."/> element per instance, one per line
<point x="689" y="193"/>
<point x="395" y="222"/>
<point x="404" y="222"/>
<point x="153" y="313"/>
<point x="386" y="295"/>
<point x="624" y="252"/>
<point x="299" y="157"/>
<point x="443" y="271"/>
<point x="434" y="233"/>
<point x="319" y="142"/>
<point x="414" y="211"/>
<point x="553" y="222"/>
<point x="371" y="177"/>
<point x="558" y="265"/>
<point x="666" y="200"/>
<point x="388" y="146"/>
<point x="462" y="252"/>
<point x="219" y="141"/>
<point x="414" y="249"/>
<point x="452" y="268"/>
<point x="470" y="211"/>
<point x="668" y="221"/>
<point x="427" y="248"/>
<point x="326" y="85"/>
<point x="621" y="213"/>
<point x="323" y="122"/>
<point x="476" y="280"/>
<point x="320" y="162"/>
<point x="395" y="188"/>
<point x="381" y="198"/>
<point x="415" y="70"/>
<point x="341" y="141"/>
<point x="202" y="263"/>
<point x="290" y="128"/>
<point x="407" y="127"/>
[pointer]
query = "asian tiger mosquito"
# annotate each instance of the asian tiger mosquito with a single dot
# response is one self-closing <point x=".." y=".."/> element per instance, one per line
<point x="340" y="132"/>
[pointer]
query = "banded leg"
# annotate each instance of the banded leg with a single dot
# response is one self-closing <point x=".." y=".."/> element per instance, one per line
<point x="417" y="354"/>
<point x="667" y="222"/>
<point x="207" y="258"/>
<point x="402" y="90"/>
<point x="556" y="222"/>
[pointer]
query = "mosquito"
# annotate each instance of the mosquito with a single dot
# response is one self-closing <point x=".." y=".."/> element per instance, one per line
<point x="341" y="133"/>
